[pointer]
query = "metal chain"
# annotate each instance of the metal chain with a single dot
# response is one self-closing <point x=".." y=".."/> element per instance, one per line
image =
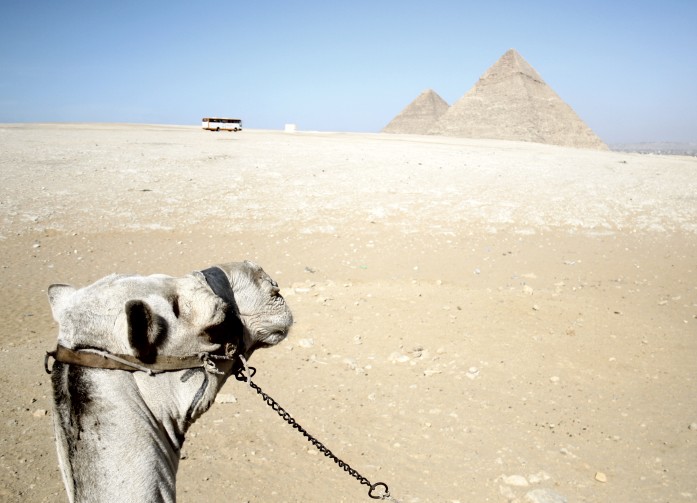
<point x="378" y="490"/>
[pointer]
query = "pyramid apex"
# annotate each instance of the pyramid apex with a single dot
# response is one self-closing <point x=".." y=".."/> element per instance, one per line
<point x="509" y="64"/>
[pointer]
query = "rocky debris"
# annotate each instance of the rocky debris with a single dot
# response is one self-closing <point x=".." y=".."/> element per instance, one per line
<point x="433" y="371"/>
<point x="398" y="357"/>
<point x="541" y="495"/>
<point x="515" y="480"/>
<point x="545" y="496"/>
<point x="537" y="478"/>
<point x="306" y="343"/>
<point x="472" y="373"/>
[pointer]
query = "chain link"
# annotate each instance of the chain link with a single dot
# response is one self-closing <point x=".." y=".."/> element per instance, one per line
<point x="379" y="490"/>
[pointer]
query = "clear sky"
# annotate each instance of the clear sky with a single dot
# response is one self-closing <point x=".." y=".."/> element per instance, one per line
<point x="628" y="68"/>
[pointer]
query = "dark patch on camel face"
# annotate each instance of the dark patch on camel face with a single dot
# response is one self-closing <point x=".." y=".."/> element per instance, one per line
<point x="147" y="330"/>
<point x="227" y="331"/>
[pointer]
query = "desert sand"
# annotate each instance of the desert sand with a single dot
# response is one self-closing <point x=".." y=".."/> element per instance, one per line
<point x="476" y="321"/>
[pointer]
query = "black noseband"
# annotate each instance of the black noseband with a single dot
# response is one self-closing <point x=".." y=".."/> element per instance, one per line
<point x="231" y="331"/>
<point x="217" y="280"/>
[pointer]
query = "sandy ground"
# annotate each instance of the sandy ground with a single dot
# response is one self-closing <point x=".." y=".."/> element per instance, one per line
<point x="476" y="321"/>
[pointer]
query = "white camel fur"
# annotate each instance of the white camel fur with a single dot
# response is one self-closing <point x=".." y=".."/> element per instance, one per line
<point x="119" y="433"/>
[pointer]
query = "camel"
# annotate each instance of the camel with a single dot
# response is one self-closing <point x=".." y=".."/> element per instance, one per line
<point x="139" y="359"/>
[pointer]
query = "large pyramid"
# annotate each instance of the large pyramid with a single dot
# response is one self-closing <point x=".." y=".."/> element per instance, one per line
<point x="420" y="115"/>
<point x="512" y="102"/>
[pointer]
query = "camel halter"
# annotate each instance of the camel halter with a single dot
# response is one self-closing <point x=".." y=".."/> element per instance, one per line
<point x="98" y="358"/>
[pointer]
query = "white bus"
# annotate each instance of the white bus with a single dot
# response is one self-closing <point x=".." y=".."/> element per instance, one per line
<point x="220" y="124"/>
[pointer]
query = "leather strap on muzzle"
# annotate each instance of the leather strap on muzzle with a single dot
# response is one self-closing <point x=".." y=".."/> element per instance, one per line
<point x="97" y="358"/>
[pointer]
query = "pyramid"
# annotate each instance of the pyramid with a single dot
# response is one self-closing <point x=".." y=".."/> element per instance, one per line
<point x="419" y="116"/>
<point x="512" y="102"/>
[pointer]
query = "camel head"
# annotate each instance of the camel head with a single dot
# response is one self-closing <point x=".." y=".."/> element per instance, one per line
<point x="103" y="416"/>
<point x="145" y="316"/>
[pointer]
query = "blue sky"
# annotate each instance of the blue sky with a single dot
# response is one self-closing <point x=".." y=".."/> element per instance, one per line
<point x="628" y="68"/>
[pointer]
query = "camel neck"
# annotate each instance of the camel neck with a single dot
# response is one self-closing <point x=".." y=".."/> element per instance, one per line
<point x="110" y="444"/>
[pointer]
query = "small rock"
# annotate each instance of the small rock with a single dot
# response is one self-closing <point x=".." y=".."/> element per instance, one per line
<point x="600" y="477"/>
<point x="528" y="290"/>
<point x="554" y="379"/>
<point x="538" y="477"/>
<point x="398" y="357"/>
<point x="306" y="343"/>
<point x="40" y="413"/>
<point x="515" y="480"/>
<point x="225" y="398"/>
<point x="417" y="352"/>
<point x="693" y="427"/>
<point x="544" y="496"/>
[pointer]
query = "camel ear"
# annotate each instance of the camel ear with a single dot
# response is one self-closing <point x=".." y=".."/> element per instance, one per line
<point x="58" y="296"/>
<point x="144" y="328"/>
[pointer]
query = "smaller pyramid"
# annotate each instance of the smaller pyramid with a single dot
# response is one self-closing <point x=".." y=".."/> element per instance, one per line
<point x="419" y="116"/>
<point x="512" y="102"/>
